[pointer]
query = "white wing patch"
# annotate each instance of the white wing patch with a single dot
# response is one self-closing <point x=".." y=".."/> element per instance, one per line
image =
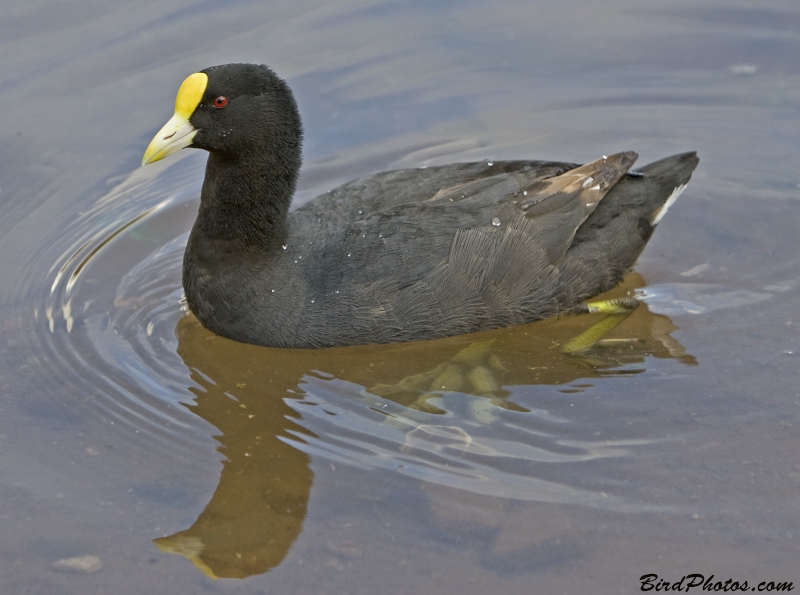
<point x="659" y="213"/>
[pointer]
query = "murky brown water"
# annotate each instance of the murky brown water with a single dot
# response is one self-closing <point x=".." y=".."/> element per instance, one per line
<point x="131" y="435"/>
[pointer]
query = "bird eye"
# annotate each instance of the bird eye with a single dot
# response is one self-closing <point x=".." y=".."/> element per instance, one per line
<point x="220" y="102"/>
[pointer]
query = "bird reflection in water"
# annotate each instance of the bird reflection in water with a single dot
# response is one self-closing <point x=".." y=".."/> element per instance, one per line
<point x="259" y="506"/>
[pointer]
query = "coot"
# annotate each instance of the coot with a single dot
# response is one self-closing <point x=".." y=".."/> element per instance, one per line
<point x="403" y="255"/>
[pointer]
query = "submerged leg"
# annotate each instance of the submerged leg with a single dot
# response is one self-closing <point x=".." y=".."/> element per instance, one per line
<point x="616" y="310"/>
<point x="472" y="370"/>
<point x="476" y="370"/>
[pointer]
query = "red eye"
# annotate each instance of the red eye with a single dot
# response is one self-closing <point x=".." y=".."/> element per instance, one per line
<point x="220" y="102"/>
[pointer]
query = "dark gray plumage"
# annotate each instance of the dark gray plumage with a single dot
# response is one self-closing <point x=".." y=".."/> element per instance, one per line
<point x="404" y="255"/>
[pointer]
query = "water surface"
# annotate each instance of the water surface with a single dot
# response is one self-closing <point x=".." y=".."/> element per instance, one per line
<point x="184" y="463"/>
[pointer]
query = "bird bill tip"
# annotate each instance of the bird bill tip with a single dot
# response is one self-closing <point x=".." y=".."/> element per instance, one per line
<point x="176" y="134"/>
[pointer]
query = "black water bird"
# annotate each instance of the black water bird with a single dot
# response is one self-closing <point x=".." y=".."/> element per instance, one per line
<point x="403" y="255"/>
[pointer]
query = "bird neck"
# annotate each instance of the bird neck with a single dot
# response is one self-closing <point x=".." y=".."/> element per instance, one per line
<point x="245" y="202"/>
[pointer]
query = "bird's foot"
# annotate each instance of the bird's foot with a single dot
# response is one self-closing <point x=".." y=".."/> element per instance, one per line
<point x="473" y="370"/>
<point x="616" y="311"/>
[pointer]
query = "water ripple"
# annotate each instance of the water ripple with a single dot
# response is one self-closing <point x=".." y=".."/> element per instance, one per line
<point x="353" y="427"/>
<point x="107" y="319"/>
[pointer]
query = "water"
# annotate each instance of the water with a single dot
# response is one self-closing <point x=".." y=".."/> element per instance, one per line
<point x="129" y="433"/>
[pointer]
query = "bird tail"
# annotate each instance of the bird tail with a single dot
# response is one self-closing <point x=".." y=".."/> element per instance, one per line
<point x="670" y="175"/>
<point x="608" y="243"/>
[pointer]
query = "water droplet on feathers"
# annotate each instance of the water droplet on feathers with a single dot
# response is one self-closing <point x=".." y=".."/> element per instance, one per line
<point x="496" y="221"/>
